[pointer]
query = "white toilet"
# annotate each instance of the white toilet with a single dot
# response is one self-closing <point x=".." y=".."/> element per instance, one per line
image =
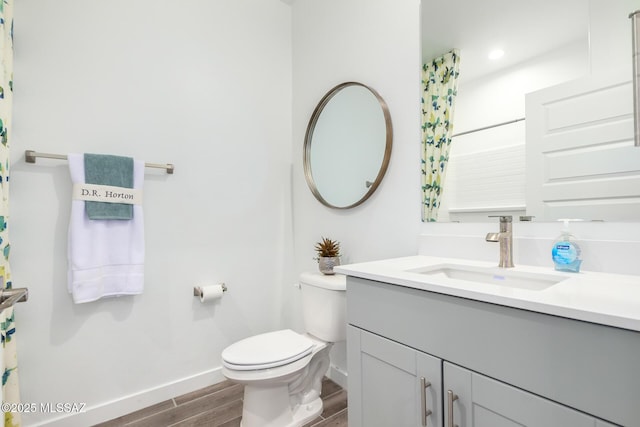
<point x="282" y="371"/>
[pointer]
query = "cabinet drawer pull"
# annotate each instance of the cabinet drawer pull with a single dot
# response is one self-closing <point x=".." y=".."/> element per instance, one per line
<point x="423" y="400"/>
<point x="451" y="397"/>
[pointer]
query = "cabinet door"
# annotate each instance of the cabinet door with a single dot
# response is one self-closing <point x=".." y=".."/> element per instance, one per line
<point x="389" y="383"/>
<point x="478" y="401"/>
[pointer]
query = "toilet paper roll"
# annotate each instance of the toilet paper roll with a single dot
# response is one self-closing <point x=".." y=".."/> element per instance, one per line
<point x="211" y="293"/>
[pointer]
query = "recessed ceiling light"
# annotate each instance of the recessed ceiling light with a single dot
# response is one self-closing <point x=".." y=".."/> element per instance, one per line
<point x="496" y="54"/>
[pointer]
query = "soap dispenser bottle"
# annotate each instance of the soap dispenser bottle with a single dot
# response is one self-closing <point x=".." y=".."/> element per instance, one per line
<point x="566" y="253"/>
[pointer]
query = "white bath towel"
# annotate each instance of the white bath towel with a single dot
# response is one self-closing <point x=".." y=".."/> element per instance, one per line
<point x="105" y="257"/>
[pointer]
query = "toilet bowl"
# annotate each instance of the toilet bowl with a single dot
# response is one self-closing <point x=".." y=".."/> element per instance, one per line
<point x="282" y="371"/>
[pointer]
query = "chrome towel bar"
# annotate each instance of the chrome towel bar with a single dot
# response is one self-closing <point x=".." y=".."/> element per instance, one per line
<point x="8" y="297"/>
<point x="30" y="157"/>
<point x="489" y="127"/>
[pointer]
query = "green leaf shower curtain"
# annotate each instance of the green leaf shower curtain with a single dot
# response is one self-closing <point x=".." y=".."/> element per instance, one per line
<point x="9" y="364"/>
<point x="440" y="88"/>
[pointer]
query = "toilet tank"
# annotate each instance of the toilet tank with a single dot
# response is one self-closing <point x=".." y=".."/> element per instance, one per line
<point x="324" y="305"/>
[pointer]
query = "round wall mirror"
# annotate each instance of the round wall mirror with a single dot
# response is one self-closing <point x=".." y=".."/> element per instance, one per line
<point x="347" y="145"/>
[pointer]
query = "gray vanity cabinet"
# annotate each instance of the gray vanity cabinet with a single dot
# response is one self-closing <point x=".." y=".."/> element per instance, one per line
<point x="479" y="401"/>
<point x="507" y="366"/>
<point x="391" y="384"/>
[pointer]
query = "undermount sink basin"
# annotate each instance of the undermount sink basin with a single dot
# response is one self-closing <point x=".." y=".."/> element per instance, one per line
<point x="493" y="276"/>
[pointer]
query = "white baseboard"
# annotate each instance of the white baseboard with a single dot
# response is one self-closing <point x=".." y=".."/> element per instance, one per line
<point x="121" y="406"/>
<point x="109" y="410"/>
<point x="338" y="376"/>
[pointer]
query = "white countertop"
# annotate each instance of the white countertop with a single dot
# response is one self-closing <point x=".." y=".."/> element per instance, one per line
<point x="607" y="299"/>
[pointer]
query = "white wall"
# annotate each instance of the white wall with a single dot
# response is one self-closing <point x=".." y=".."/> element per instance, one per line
<point x="374" y="42"/>
<point x="205" y="85"/>
<point x="610" y="34"/>
<point x="499" y="97"/>
<point x="606" y="247"/>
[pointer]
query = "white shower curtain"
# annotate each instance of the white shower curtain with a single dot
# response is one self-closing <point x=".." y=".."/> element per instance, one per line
<point x="9" y="363"/>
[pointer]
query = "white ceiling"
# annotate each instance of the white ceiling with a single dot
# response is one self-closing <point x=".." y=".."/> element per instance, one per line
<point x="524" y="29"/>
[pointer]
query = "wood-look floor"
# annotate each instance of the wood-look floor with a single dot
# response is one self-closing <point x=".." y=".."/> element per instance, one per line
<point x="221" y="405"/>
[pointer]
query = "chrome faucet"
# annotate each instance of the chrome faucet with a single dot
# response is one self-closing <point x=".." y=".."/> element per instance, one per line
<point x="505" y="238"/>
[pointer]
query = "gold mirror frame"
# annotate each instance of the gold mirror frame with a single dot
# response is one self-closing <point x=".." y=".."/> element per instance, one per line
<point x="308" y="139"/>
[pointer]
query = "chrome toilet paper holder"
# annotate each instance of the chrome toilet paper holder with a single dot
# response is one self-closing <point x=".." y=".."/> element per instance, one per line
<point x="197" y="290"/>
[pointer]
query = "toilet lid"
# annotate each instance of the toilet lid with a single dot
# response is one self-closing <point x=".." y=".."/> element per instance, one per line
<point x="267" y="350"/>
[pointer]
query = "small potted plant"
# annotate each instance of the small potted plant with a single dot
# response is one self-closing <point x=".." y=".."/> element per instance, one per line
<point x="328" y="255"/>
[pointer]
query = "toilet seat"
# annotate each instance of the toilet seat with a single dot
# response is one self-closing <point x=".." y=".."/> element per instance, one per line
<point x="268" y="350"/>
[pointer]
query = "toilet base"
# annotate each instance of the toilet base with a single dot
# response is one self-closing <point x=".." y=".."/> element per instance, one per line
<point x="286" y="396"/>
<point x="270" y="407"/>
